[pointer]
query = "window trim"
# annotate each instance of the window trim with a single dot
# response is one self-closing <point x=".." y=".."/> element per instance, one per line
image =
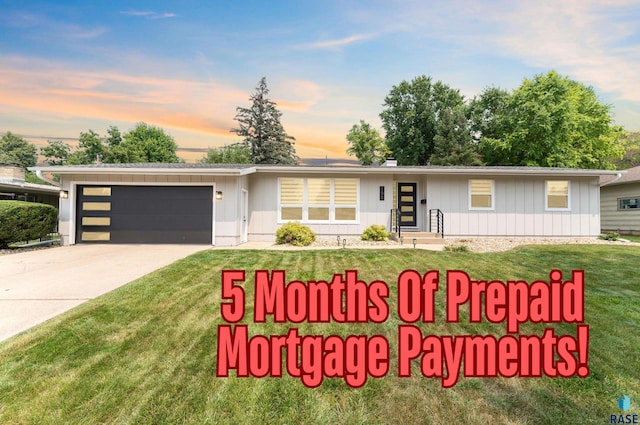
<point x="546" y="196"/>
<point x="493" y="196"/>
<point x="332" y="205"/>
<point x="626" y="198"/>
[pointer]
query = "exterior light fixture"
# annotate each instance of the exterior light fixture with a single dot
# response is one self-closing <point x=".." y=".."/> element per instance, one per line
<point x="64" y="194"/>
<point x="219" y="195"/>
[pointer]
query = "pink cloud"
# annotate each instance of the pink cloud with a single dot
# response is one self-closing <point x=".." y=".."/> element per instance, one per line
<point x="200" y="112"/>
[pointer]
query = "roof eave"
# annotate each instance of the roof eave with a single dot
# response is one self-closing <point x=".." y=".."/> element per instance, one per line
<point x="436" y="171"/>
<point x="31" y="187"/>
<point x="507" y="171"/>
<point x="147" y="171"/>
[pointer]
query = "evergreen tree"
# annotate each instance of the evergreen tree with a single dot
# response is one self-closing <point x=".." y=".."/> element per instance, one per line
<point x="262" y="131"/>
<point x="452" y="144"/>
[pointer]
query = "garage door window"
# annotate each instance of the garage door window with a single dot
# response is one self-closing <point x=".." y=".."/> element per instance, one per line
<point x="96" y="221"/>
<point x="96" y="206"/>
<point x="96" y="191"/>
<point x="96" y="236"/>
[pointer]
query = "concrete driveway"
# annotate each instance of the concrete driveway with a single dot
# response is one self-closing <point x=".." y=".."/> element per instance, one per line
<point x="38" y="285"/>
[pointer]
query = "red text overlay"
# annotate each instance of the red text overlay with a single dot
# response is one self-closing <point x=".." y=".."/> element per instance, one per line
<point x="346" y="299"/>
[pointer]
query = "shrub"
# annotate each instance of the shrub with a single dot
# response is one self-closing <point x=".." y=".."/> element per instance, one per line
<point x="456" y="248"/>
<point x="375" y="232"/>
<point x="24" y="221"/>
<point x="610" y="236"/>
<point x="295" y="234"/>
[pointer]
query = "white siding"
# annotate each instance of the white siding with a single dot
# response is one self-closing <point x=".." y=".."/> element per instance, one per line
<point x="626" y="221"/>
<point x="519" y="208"/>
<point x="263" y="204"/>
<point x="519" y="204"/>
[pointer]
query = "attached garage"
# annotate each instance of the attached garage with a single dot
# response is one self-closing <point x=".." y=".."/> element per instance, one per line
<point x="144" y="214"/>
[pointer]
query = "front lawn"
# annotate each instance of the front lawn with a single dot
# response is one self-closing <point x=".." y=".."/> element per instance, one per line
<point x="631" y="238"/>
<point x="146" y="353"/>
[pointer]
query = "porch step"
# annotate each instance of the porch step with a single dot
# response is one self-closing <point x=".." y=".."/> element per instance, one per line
<point x="420" y="237"/>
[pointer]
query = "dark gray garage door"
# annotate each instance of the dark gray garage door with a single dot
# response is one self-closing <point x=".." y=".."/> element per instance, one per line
<point x="144" y="214"/>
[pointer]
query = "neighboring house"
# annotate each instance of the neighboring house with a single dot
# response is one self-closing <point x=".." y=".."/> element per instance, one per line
<point x="13" y="187"/>
<point x="226" y="205"/>
<point x="620" y="202"/>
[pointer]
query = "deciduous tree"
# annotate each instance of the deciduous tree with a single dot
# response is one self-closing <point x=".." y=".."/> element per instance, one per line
<point x="15" y="150"/>
<point x="91" y="148"/>
<point x="145" y="143"/>
<point x="236" y="153"/>
<point x="630" y="143"/>
<point x="56" y="152"/>
<point x="552" y="121"/>
<point x="411" y="115"/>
<point x="366" y="144"/>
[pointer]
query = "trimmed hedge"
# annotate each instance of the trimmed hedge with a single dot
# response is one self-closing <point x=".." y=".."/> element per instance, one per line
<point x="24" y="221"/>
<point x="295" y="234"/>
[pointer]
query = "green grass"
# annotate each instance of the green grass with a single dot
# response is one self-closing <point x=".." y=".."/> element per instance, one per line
<point x="146" y="353"/>
<point x="631" y="238"/>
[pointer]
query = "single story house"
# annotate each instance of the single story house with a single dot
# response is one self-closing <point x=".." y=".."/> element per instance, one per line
<point x="620" y="202"/>
<point x="226" y="205"/>
<point x="14" y="187"/>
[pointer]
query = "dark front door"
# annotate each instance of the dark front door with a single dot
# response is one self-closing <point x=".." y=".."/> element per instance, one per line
<point x="144" y="214"/>
<point x="407" y="204"/>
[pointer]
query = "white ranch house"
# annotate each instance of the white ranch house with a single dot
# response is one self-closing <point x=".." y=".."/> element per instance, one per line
<point x="226" y="205"/>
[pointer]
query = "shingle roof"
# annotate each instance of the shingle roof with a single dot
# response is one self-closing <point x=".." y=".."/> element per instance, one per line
<point x="630" y="175"/>
<point x="243" y="169"/>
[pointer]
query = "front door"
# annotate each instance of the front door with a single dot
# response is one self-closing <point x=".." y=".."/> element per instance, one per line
<point x="407" y="204"/>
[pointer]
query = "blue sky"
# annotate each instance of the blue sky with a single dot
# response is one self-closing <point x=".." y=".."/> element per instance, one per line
<point x="67" y="66"/>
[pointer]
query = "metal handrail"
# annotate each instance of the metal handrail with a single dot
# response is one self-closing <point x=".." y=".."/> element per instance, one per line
<point x="439" y="221"/>
<point x="397" y="221"/>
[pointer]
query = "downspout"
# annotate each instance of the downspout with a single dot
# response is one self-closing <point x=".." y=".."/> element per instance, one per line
<point x="42" y="177"/>
<point x="614" y="180"/>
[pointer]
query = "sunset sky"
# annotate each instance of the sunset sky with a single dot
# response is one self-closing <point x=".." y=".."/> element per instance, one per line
<point x="70" y="66"/>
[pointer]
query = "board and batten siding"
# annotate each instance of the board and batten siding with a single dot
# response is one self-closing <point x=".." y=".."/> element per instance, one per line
<point x="263" y="204"/>
<point x="227" y="212"/>
<point x="519" y="207"/>
<point x="613" y="219"/>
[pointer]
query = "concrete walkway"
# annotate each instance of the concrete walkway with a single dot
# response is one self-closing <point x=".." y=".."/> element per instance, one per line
<point x="38" y="285"/>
